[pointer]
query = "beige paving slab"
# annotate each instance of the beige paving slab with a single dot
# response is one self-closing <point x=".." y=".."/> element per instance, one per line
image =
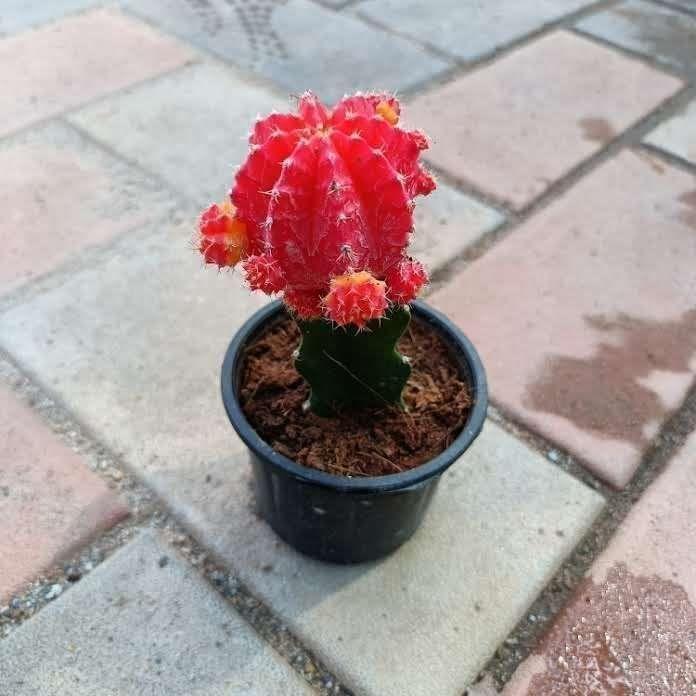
<point x="519" y="124"/>
<point x="50" y="502"/>
<point x="585" y="316"/>
<point x="61" y="65"/>
<point x="677" y="135"/>
<point x="61" y="194"/>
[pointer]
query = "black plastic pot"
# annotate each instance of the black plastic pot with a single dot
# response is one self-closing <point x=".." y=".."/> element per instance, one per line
<point x="335" y="518"/>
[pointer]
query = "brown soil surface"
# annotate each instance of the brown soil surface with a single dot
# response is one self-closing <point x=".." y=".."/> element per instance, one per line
<point x="374" y="442"/>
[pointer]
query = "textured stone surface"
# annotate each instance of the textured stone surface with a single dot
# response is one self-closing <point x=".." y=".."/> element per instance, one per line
<point x="142" y="623"/>
<point x="467" y="30"/>
<point x="62" y="65"/>
<point x="60" y="194"/>
<point x="281" y="42"/>
<point x="16" y="15"/>
<point x="519" y="124"/>
<point x="667" y="35"/>
<point x="150" y="332"/>
<point x="446" y="222"/>
<point x="678" y="134"/>
<point x="184" y="126"/>
<point x="50" y="502"/>
<point x="138" y="357"/>
<point x="500" y="524"/>
<point x="585" y="316"/>
<point x="643" y="603"/>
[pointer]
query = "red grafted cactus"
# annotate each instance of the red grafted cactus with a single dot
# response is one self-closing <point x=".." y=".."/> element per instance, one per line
<point x="325" y="195"/>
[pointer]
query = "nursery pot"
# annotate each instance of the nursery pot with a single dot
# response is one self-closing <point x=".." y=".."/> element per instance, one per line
<point x="335" y="518"/>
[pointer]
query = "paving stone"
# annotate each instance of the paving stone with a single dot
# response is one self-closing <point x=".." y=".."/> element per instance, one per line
<point x="519" y="124"/>
<point x="678" y="134"/>
<point x="160" y="125"/>
<point x="60" y="194"/>
<point x="685" y="4"/>
<point x="298" y="44"/>
<point x="138" y="357"/>
<point x="16" y="15"/>
<point x="50" y="502"/>
<point x="144" y="622"/>
<point x="435" y="611"/>
<point x="446" y="222"/>
<point x="138" y="361"/>
<point x="464" y="29"/>
<point x="653" y="30"/>
<point x="62" y="65"/>
<point x="633" y="619"/>
<point x="585" y="316"/>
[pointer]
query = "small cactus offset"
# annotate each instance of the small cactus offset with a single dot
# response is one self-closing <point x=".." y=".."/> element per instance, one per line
<point x="321" y="212"/>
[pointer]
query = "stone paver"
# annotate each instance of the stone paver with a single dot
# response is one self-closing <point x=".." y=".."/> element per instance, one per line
<point x="653" y="30"/>
<point x="60" y="194"/>
<point x="468" y="576"/>
<point x="298" y="44"/>
<point x="585" y="316"/>
<point x="152" y="294"/>
<point x="678" y="134"/>
<point x="16" y="15"/>
<point x="50" y="502"/>
<point x="630" y="628"/>
<point x="684" y="4"/>
<point x="59" y="66"/>
<point x="446" y="222"/>
<point x="516" y="126"/>
<point x="467" y="30"/>
<point x="142" y="623"/>
<point x="189" y="127"/>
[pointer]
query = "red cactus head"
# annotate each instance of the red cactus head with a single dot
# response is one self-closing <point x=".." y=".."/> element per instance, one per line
<point x="355" y="298"/>
<point x="326" y="194"/>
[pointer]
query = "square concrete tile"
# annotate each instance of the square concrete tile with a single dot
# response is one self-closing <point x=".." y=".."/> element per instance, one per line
<point x="446" y="222"/>
<point x="298" y="44"/>
<point x="653" y="30"/>
<point x="144" y="622"/>
<point x="677" y="135"/>
<point x="160" y="125"/>
<point x="61" y="65"/>
<point x="633" y="619"/>
<point x="59" y="194"/>
<point x="500" y="524"/>
<point x="16" y="15"/>
<point x="152" y="294"/>
<point x="51" y="504"/>
<point x="467" y="30"/>
<point x="585" y="316"/>
<point x="518" y="125"/>
<point x="138" y="360"/>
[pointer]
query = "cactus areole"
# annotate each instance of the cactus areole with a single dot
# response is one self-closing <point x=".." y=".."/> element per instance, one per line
<point x="321" y="214"/>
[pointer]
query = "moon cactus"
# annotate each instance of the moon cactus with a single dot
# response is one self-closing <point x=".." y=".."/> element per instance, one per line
<point x="321" y="213"/>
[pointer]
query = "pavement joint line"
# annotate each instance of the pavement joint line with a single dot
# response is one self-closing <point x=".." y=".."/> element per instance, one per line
<point x="669" y="157"/>
<point x="463" y="67"/>
<point x="690" y="12"/>
<point x="630" y="138"/>
<point x="27" y="127"/>
<point x="338" y="8"/>
<point x="146" y="510"/>
<point x="644" y="58"/>
<point x="524" y="638"/>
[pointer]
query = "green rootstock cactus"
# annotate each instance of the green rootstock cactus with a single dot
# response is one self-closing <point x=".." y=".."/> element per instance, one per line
<point x="321" y="212"/>
<point x="350" y="368"/>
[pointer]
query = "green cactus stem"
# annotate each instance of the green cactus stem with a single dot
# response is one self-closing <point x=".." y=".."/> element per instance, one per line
<point x="351" y="368"/>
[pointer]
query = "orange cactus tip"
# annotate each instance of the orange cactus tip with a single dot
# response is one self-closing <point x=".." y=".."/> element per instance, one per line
<point x="223" y="237"/>
<point x="389" y="112"/>
<point x="305" y="304"/>
<point x="355" y="298"/>
<point x="405" y="280"/>
<point x="264" y="273"/>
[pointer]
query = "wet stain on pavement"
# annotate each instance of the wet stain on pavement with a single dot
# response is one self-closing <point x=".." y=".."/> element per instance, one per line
<point x="597" y="130"/>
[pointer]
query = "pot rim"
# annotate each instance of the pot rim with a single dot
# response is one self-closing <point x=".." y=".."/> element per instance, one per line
<point x="368" y="484"/>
